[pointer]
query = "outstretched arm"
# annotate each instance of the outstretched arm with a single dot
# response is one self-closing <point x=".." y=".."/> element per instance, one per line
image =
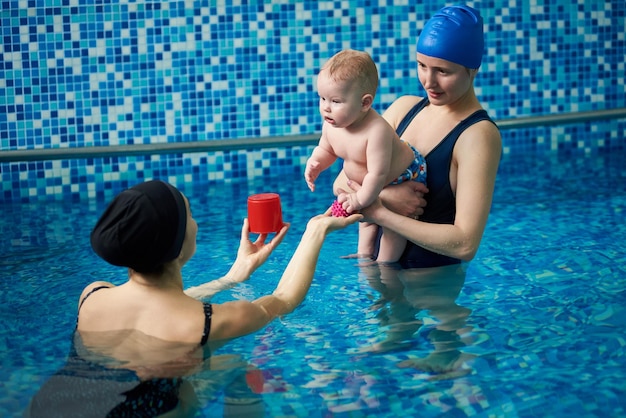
<point x="250" y="256"/>
<point x="322" y="157"/>
<point x="233" y="319"/>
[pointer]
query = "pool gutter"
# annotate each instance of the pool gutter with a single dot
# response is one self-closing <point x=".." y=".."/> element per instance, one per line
<point x="268" y="142"/>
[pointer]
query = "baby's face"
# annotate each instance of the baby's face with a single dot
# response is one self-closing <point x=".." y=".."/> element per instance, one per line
<point x="339" y="101"/>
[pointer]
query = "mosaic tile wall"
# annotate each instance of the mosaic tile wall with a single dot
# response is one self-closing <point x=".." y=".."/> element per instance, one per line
<point x="77" y="73"/>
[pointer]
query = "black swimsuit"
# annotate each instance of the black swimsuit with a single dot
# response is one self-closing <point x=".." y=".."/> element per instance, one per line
<point x="208" y="314"/>
<point x="441" y="207"/>
<point x="88" y="389"/>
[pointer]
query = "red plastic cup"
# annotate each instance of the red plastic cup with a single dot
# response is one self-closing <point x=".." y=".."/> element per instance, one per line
<point x="264" y="213"/>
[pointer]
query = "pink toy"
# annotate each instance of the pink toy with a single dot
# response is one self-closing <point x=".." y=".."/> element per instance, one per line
<point x="337" y="210"/>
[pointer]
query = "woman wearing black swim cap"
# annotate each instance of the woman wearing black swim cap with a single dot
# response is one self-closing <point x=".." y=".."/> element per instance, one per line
<point x="461" y="144"/>
<point x="134" y="343"/>
<point x="150" y="229"/>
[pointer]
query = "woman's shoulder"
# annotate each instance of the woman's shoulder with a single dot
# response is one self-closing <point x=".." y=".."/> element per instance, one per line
<point x="485" y="126"/>
<point x="482" y="137"/>
<point x="399" y="108"/>
<point x="93" y="287"/>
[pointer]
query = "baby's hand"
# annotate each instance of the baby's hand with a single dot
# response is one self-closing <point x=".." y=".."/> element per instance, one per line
<point x="311" y="172"/>
<point x="349" y="202"/>
<point x="337" y="210"/>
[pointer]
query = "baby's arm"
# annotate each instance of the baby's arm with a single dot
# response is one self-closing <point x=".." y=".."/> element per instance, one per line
<point x="322" y="157"/>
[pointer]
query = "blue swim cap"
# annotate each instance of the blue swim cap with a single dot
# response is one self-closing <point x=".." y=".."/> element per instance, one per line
<point x="454" y="34"/>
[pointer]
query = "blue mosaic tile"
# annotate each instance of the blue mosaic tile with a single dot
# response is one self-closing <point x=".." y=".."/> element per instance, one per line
<point x="79" y="74"/>
<point x="97" y="178"/>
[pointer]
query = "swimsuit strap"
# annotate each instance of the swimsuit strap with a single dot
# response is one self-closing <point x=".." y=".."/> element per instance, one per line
<point x="208" y="313"/>
<point x="408" y="118"/>
<point x="95" y="289"/>
<point x="477" y="116"/>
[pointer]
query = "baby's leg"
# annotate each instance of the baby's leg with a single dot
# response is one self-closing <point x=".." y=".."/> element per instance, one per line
<point x="391" y="247"/>
<point x="367" y="239"/>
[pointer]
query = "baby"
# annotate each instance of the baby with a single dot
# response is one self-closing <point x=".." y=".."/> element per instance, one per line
<point x="373" y="154"/>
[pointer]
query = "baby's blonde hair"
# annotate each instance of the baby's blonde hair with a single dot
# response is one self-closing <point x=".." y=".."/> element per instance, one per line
<point x="354" y="66"/>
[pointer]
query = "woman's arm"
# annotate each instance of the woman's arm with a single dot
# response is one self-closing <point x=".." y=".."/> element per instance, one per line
<point x="250" y="256"/>
<point x="477" y="156"/>
<point x="233" y="319"/>
<point x="406" y="198"/>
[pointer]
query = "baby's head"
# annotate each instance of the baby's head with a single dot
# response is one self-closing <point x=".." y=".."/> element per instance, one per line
<point x="354" y="67"/>
<point x="454" y="34"/>
<point x="143" y="227"/>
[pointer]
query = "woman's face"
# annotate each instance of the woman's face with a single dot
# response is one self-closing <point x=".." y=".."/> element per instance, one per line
<point x="189" y="244"/>
<point x="445" y="82"/>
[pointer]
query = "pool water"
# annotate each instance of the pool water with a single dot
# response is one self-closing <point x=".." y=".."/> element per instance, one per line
<point x="534" y="326"/>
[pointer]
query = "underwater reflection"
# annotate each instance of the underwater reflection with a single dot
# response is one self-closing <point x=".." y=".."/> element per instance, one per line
<point x="128" y="373"/>
<point x="422" y="301"/>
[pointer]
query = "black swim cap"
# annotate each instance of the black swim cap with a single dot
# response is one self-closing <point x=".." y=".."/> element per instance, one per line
<point x="142" y="228"/>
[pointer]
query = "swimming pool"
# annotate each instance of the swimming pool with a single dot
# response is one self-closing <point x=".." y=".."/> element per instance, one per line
<point x="537" y="321"/>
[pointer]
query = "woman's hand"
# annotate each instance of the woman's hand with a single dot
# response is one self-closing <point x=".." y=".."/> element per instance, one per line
<point x="331" y="223"/>
<point x="406" y="199"/>
<point x="251" y="255"/>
